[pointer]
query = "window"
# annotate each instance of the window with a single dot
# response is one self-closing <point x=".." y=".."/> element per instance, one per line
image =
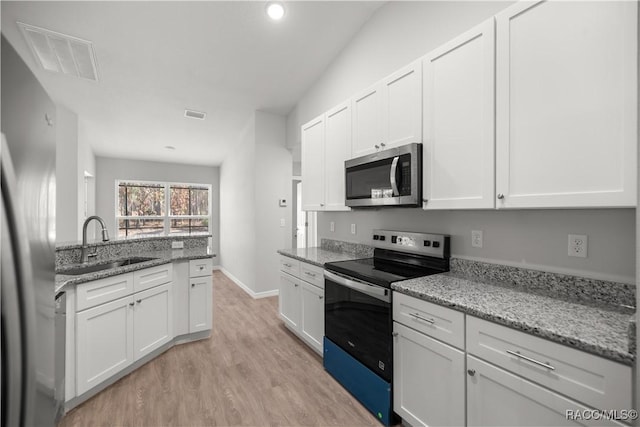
<point x="142" y="208"/>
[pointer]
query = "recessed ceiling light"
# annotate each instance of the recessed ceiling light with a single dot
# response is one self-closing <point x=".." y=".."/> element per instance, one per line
<point x="275" y="10"/>
<point x="169" y="147"/>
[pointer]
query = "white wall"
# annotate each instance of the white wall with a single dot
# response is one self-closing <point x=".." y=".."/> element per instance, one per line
<point x="67" y="217"/>
<point x="273" y="182"/>
<point x="252" y="179"/>
<point x="108" y="170"/>
<point x="74" y="156"/>
<point x="238" y="210"/>
<point x="398" y="33"/>
<point x="86" y="163"/>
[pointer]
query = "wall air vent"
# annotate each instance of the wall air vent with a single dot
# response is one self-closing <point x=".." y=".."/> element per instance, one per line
<point x="61" y="53"/>
<point x="195" y="114"/>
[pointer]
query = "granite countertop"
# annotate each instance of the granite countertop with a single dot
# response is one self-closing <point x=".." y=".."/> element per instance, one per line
<point x="160" y="257"/>
<point x="135" y="238"/>
<point x="602" y="331"/>
<point x="318" y="256"/>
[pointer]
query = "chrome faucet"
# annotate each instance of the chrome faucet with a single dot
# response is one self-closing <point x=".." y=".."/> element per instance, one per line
<point x="84" y="257"/>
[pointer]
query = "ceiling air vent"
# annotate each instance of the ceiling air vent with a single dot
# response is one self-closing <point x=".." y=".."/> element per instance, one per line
<point x="195" y="114"/>
<point x="61" y="53"/>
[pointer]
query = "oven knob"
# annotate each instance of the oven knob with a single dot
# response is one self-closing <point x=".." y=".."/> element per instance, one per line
<point x="436" y="244"/>
<point x="382" y="238"/>
<point x="427" y="243"/>
<point x="394" y="239"/>
<point x="376" y="237"/>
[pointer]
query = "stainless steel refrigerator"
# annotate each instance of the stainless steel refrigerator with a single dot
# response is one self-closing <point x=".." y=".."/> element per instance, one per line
<point x="32" y="384"/>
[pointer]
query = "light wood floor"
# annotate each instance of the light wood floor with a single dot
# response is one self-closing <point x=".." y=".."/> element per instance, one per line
<point x="251" y="372"/>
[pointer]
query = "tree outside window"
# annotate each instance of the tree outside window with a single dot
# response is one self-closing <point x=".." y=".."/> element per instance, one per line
<point x="142" y="209"/>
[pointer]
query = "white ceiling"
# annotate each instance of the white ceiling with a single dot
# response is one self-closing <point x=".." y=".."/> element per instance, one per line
<point x="155" y="59"/>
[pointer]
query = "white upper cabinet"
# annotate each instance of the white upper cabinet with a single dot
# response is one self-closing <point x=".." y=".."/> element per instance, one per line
<point x="326" y="144"/>
<point x="389" y="113"/>
<point x="367" y="126"/>
<point x="337" y="150"/>
<point x="566" y="105"/>
<point x="313" y="165"/>
<point x="402" y="106"/>
<point x="459" y="135"/>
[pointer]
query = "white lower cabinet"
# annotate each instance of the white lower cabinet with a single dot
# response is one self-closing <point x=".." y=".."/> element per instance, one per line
<point x="200" y="295"/>
<point x="104" y="342"/>
<point x="511" y="378"/>
<point x="152" y="320"/>
<point x="301" y="301"/>
<point x="429" y="379"/>
<point x="116" y="333"/>
<point x="312" y="319"/>
<point x="200" y="304"/>
<point x="496" y="397"/>
<point x="289" y="300"/>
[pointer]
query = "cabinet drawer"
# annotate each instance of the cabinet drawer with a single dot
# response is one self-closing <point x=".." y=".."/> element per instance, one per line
<point x="200" y="267"/>
<point x="150" y="277"/>
<point x="103" y="290"/>
<point x="312" y="274"/>
<point x="496" y="397"/>
<point x="439" y="322"/>
<point x="593" y="380"/>
<point x="290" y="265"/>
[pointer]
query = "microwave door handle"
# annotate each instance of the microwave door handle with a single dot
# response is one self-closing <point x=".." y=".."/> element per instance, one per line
<point x="393" y="174"/>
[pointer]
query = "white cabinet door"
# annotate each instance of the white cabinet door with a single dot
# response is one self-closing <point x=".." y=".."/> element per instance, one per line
<point x="367" y="121"/>
<point x="498" y="398"/>
<point x="104" y="342"/>
<point x="402" y="107"/>
<point x="200" y="303"/>
<point x="313" y="165"/>
<point x="289" y="301"/>
<point x="429" y="379"/>
<point x="567" y="104"/>
<point x="152" y="320"/>
<point x="312" y="321"/>
<point x="337" y="150"/>
<point x="459" y="120"/>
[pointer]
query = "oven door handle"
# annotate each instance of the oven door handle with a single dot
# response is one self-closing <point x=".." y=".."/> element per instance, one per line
<point x="377" y="292"/>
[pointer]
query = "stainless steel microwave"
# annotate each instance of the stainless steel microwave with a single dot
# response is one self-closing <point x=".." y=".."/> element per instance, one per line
<point x="391" y="177"/>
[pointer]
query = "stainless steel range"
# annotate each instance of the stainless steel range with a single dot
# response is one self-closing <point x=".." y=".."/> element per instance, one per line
<point x="358" y="321"/>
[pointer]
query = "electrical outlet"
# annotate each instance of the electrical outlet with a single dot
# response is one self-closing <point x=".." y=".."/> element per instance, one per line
<point x="177" y="245"/>
<point x="476" y="238"/>
<point x="353" y="229"/>
<point x="578" y="245"/>
<point x="332" y="226"/>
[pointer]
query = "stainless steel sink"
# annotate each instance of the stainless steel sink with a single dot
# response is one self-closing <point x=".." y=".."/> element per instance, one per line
<point x="84" y="269"/>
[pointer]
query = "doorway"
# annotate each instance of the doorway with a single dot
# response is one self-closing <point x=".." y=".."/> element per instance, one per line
<point x="304" y="223"/>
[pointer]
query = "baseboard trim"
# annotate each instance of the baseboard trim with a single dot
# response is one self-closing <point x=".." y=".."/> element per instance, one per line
<point x="249" y="291"/>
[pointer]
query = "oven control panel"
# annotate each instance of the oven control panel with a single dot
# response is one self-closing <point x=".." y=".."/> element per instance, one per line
<point x="436" y="245"/>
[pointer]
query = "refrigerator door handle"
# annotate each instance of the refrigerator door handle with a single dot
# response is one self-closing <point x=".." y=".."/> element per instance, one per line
<point x="16" y="258"/>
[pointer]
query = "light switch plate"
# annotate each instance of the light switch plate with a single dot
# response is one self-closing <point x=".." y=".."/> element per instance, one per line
<point x="177" y="245"/>
<point x="282" y="222"/>
<point x="353" y="229"/>
<point x="332" y="226"/>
